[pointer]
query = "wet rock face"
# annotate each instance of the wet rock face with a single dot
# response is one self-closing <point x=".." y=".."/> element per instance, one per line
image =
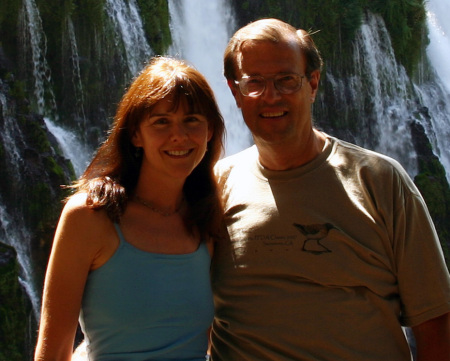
<point x="433" y="185"/>
<point x="15" y="310"/>
<point x="32" y="170"/>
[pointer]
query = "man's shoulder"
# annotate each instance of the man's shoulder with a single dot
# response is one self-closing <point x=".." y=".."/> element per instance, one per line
<point x="370" y="163"/>
<point x="240" y="159"/>
<point x="365" y="155"/>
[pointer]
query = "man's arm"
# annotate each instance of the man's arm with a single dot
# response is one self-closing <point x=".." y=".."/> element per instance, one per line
<point x="433" y="339"/>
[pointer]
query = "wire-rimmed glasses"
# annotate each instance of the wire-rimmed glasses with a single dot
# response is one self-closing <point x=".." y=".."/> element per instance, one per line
<point x="255" y="85"/>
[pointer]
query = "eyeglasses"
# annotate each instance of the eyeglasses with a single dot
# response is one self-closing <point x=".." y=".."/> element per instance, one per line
<point x="254" y="86"/>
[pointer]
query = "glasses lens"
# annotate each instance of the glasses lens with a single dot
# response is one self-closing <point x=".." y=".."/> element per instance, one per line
<point x="288" y="84"/>
<point x="253" y="85"/>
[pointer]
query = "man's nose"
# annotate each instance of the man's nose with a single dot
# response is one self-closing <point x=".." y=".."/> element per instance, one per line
<point x="270" y="92"/>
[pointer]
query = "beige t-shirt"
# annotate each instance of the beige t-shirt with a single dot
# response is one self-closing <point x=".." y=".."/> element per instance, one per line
<point x="324" y="262"/>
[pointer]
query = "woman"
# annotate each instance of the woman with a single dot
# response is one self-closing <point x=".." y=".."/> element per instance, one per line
<point x="132" y="247"/>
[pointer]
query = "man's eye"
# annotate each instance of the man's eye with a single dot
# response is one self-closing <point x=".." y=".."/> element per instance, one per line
<point x="287" y="79"/>
<point x="254" y="81"/>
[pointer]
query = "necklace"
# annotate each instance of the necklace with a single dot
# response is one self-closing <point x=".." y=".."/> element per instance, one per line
<point x="162" y="212"/>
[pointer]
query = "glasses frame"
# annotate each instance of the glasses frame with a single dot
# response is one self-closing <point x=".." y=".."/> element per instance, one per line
<point x="244" y="81"/>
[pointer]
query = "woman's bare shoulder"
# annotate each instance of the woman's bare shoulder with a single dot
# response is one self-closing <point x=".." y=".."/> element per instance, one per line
<point x="90" y="230"/>
<point x="76" y="208"/>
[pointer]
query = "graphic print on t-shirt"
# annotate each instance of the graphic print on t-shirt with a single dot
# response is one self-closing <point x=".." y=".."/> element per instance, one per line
<point x="314" y="234"/>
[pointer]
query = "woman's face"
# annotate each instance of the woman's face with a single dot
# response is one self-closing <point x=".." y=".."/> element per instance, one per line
<point x="174" y="140"/>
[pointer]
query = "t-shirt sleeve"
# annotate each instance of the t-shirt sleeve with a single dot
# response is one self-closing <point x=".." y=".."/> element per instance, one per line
<point x="423" y="277"/>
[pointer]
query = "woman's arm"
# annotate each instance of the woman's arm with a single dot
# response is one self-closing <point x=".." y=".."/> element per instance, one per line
<point x="433" y="339"/>
<point x="75" y="249"/>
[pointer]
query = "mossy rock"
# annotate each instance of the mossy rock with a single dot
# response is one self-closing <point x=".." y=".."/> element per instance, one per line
<point x="14" y="308"/>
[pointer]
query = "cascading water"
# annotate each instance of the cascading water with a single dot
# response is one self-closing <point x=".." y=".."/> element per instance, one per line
<point x="73" y="149"/>
<point x="129" y="33"/>
<point x="12" y="230"/>
<point x="200" y="32"/>
<point x="8" y="140"/>
<point x="439" y="32"/>
<point x="74" y="61"/>
<point x="34" y="40"/>
<point x="13" y="226"/>
<point x="381" y="92"/>
<point x="435" y="93"/>
<point x="385" y="107"/>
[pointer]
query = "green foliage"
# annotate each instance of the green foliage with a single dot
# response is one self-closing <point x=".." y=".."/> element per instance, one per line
<point x="155" y="16"/>
<point x="435" y="190"/>
<point x="89" y="14"/>
<point x="338" y="20"/>
<point x="335" y="21"/>
<point x="36" y="131"/>
<point x="405" y="20"/>
<point x="39" y="204"/>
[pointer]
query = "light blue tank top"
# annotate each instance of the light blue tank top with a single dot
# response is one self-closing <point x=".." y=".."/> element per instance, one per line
<point x="146" y="306"/>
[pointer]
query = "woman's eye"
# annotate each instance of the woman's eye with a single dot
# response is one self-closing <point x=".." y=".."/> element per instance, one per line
<point x="194" y="120"/>
<point x="160" y="121"/>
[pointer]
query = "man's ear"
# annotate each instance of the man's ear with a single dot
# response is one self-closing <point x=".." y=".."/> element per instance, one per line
<point x="235" y="91"/>
<point x="314" y="83"/>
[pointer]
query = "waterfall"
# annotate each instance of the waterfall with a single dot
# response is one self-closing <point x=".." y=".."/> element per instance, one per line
<point x="10" y="135"/>
<point x="200" y="32"/>
<point x="14" y="234"/>
<point x="12" y="230"/>
<point x="34" y="40"/>
<point x="389" y="91"/>
<point x="75" y="72"/>
<point x="129" y="32"/>
<point x="73" y="149"/>
<point x="439" y="32"/>
<point x="379" y="93"/>
<point x="435" y="94"/>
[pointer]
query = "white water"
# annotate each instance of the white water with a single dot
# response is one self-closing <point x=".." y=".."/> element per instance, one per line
<point x="73" y="149"/>
<point x="201" y="30"/>
<point x="12" y="230"/>
<point x="435" y="95"/>
<point x="10" y="136"/>
<point x="438" y="51"/>
<point x="129" y="32"/>
<point x="380" y="92"/>
<point x="77" y="85"/>
<point x="14" y="234"/>
<point x="34" y="38"/>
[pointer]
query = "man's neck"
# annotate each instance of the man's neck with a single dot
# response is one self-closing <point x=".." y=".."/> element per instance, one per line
<point x="289" y="156"/>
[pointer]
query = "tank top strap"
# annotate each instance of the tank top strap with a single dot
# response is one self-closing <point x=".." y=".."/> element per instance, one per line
<point x="120" y="234"/>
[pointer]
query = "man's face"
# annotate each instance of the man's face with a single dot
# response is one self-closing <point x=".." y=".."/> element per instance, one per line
<point x="273" y="117"/>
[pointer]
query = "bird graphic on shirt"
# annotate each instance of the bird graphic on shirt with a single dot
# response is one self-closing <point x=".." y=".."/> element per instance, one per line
<point x="314" y="233"/>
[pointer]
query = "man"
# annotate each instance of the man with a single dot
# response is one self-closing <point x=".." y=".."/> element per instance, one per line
<point x="331" y="249"/>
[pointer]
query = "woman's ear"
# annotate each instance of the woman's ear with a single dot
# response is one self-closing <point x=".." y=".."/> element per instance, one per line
<point x="136" y="139"/>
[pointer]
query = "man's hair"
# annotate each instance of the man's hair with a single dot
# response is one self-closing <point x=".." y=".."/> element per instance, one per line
<point x="276" y="31"/>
